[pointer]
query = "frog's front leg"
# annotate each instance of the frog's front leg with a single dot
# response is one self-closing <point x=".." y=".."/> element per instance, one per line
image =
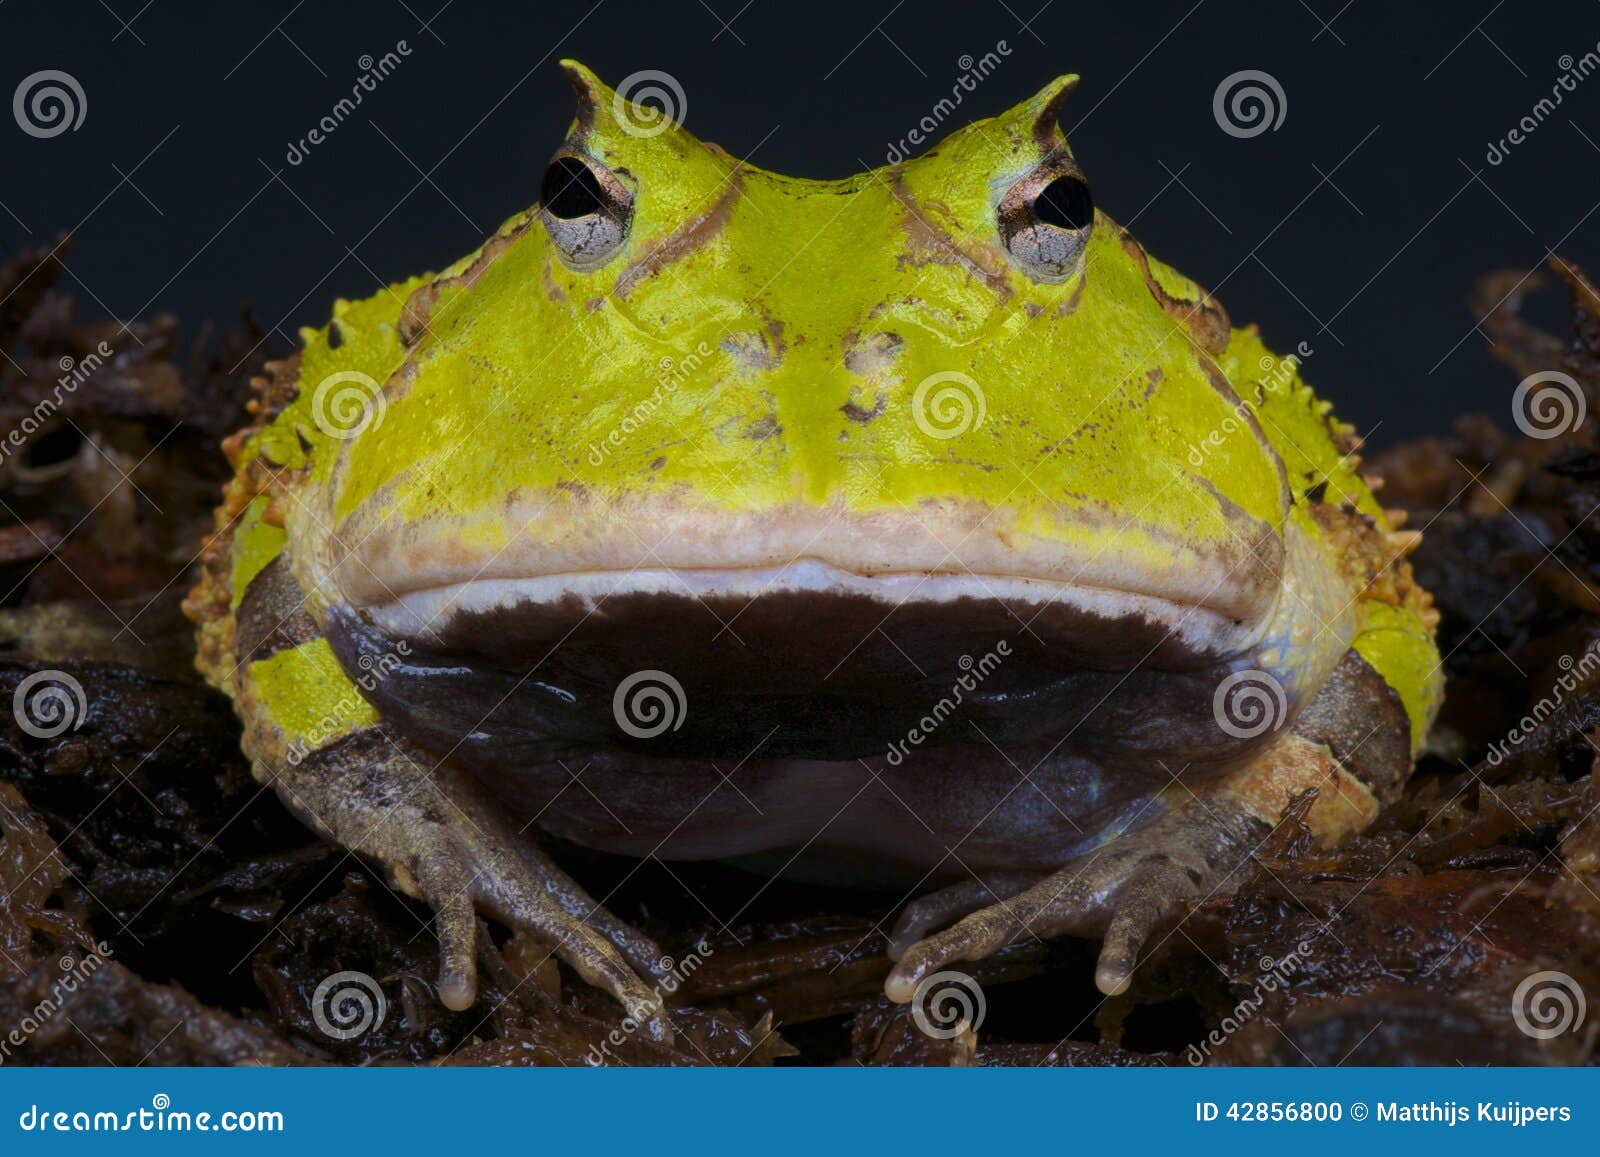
<point x="312" y="737"/>
<point x="1353" y="743"/>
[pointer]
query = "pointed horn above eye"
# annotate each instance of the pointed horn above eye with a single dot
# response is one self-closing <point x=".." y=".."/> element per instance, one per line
<point x="1045" y="107"/>
<point x="592" y="93"/>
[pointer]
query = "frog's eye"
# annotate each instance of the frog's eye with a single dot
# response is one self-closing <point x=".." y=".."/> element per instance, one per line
<point x="1045" y="220"/>
<point x="585" y="209"/>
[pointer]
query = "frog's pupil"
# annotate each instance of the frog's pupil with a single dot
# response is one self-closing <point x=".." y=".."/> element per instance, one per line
<point x="1065" y="203"/>
<point x="570" y="189"/>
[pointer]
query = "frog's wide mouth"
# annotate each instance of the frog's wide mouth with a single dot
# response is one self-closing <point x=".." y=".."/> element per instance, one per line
<point x="805" y="661"/>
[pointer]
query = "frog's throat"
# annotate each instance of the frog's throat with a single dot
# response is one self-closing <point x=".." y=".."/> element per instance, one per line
<point x="436" y="613"/>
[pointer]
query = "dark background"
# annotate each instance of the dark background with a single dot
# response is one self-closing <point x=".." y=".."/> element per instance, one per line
<point x="1359" y="225"/>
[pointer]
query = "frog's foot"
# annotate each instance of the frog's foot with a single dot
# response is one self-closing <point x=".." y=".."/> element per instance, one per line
<point x="1125" y="890"/>
<point x="447" y="845"/>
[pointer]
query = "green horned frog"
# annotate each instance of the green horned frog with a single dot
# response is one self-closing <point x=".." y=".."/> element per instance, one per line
<point x="917" y="529"/>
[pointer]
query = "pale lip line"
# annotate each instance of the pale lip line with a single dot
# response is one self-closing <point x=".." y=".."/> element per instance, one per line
<point x="421" y="612"/>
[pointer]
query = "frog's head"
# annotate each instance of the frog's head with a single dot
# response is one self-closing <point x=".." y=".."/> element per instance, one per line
<point x="797" y="437"/>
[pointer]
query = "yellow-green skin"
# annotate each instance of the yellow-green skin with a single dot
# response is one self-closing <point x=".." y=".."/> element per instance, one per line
<point x="529" y="370"/>
<point x="731" y="336"/>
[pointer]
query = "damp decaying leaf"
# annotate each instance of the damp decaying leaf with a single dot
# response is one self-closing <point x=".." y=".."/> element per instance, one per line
<point x="159" y="906"/>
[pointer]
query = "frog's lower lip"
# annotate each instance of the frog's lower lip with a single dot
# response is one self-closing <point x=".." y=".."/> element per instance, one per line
<point x="442" y="614"/>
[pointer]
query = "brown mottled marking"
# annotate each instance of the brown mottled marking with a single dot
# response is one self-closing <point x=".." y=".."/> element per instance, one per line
<point x="1204" y="318"/>
<point x="418" y="311"/>
<point x="1046" y="127"/>
<point x="689" y="237"/>
<point x="930" y="242"/>
<point x="1363" y="723"/>
<point x="272" y="615"/>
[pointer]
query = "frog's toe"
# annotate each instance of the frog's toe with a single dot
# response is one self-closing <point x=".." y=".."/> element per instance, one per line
<point x="927" y="913"/>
